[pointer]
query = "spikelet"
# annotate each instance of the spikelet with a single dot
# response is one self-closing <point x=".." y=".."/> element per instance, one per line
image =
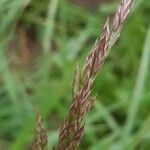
<point x="72" y="128"/>
<point x="121" y="14"/>
<point x="40" y="141"/>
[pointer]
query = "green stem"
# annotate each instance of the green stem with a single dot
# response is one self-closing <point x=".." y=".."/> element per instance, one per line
<point x="139" y="86"/>
<point x="52" y="9"/>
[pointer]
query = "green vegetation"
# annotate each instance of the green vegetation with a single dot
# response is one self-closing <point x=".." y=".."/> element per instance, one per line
<point x="40" y="44"/>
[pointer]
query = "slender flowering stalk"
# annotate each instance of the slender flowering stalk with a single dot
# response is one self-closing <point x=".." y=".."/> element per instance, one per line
<point x="40" y="141"/>
<point x="72" y="128"/>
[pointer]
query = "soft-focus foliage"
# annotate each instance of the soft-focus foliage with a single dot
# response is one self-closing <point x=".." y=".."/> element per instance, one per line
<point x="40" y="44"/>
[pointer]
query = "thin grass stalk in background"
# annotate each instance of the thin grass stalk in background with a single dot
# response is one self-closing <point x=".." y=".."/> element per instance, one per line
<point x="11" y="15"/>
<point x="139" y="86"/>
<point x="72" y="128"/>
<point x="107" y="116"/>
<point x="141" y="135"/>
<point x="48" y="31"/>
<point x="49" y="27"/>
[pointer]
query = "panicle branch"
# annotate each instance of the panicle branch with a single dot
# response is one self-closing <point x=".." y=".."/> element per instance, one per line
<point x="72" y="128"/>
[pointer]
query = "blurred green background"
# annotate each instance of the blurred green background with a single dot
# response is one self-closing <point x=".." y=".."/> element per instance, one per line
<point x="40" y="45"/>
